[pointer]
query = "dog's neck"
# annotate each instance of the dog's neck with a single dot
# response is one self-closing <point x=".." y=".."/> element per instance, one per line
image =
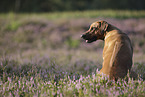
<point x="110" y="28"/>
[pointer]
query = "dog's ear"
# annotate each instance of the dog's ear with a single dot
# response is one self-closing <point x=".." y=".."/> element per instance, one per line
<point x="104" y="26"/>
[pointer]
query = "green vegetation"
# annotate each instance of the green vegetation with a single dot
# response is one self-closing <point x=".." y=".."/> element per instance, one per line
<point x="43" y="54"/>
<point x="46" y="78"/>
<point x="120" y="14"/>
<point x="68" y="5"/>
<point x="98" y="13"/>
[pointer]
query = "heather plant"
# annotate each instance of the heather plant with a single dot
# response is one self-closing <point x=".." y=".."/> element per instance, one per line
<point x="46" y="78"/>
<point x="43" y="55"/>
<point x="91" y="85"/>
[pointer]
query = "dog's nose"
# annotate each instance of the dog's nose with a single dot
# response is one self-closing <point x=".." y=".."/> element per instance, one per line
<point x="83" y="36"/>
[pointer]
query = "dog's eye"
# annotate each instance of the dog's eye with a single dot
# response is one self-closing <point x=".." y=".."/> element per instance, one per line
<point x="93" y="28"/>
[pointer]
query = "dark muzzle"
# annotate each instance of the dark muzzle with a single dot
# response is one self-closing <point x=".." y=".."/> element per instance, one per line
<point x="83" y="36"/>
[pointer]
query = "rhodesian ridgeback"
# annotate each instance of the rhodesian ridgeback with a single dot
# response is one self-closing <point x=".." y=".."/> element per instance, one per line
<point x="117" y="52"/>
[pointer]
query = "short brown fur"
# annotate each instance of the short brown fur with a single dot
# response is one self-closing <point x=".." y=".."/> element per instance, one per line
<point x="117" y="52"/>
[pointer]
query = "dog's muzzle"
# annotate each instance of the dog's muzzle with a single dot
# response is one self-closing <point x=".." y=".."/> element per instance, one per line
<point x="89" y="38"/>
<point x="83" y="36"/>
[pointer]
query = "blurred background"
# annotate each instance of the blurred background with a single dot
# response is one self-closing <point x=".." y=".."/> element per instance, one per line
<point x="39" y="31"/>
<point x="68" y="5"/>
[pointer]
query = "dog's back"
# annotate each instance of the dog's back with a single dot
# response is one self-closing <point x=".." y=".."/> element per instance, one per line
<point x="117" y="54"/>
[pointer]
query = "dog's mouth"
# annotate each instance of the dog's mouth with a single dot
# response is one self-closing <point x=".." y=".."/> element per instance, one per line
<point x="89" y="39"/>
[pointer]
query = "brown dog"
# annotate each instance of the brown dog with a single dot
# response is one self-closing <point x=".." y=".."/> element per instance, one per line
<point x="118" y="51"/>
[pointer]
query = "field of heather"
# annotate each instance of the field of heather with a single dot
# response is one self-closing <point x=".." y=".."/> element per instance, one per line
<point x="43" y="55"/>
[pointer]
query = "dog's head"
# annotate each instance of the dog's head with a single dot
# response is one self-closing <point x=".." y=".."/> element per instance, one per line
<point x="97" y="31"/>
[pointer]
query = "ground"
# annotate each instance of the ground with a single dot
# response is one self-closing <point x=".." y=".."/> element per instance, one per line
<point x="46" y="50"/>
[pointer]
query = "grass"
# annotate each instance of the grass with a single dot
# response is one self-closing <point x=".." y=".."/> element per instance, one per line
<point x="100" y="13"/>
<point x="51" y="79"/>
<point x="120" y="14"/>
<point x="42" y="54"/>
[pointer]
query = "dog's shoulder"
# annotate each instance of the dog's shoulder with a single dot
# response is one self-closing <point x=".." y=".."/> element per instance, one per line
<point x="112" y="35"/>
<point x="115" y="34"/>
